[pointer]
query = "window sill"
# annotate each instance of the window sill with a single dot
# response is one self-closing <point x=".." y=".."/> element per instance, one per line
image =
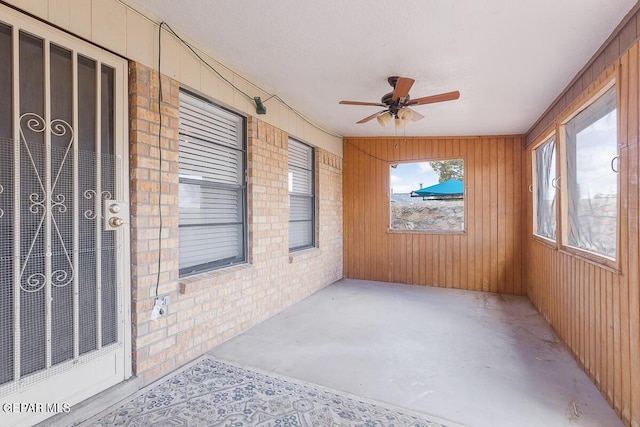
<point x="551" y="244"/>
<point x="591" y="258"/>
<point x="433" y="232"/>
<point x="209" y="278"/>
<point x="304" y="254"/>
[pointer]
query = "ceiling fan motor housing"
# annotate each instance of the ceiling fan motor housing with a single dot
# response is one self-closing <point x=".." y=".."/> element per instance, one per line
<point x="394" y="106"/>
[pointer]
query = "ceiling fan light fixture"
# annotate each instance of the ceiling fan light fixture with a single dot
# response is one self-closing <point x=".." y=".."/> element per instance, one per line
<point x="384" y="118"/>
<point x="405" y="114"/>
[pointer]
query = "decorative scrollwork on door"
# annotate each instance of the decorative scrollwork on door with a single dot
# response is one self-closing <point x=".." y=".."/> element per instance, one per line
<point x="91" y="195"/>
<point x="44" y="203"/>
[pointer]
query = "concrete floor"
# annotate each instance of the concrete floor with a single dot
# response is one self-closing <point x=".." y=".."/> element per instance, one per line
<point x="474" y="358"/>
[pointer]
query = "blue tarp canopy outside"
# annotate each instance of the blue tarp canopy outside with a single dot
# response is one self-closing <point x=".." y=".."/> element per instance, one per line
<point x="449" y="188"/>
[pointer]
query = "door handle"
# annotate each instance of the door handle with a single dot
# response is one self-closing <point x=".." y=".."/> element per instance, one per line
<point x="613" y="161"/>
<point x="114" y="214"/>
<point x="116" y="222"/>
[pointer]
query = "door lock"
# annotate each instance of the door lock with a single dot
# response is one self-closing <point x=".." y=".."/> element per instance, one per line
<point x="116" y="222"/>
<point x="114" y="214"/>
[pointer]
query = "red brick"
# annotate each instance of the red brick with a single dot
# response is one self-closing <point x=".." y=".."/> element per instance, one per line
<point x="219" y="304"/>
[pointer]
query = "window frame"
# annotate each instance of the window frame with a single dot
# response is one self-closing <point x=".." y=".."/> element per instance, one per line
<point x="548" y="136"/>
<point x="431" y="232"/>
<point x="243" y="192"/>
<point x="311" y="195"/>
<point x="563" y="231"/>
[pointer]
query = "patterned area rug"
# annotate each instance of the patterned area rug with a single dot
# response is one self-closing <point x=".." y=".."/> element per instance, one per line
<point x="210" y="392"/>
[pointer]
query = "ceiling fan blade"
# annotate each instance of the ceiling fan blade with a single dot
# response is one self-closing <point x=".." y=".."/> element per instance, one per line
<point x="448" y="96"/>
<point x="415" y="116"/>
<point x="401" y="90"/>
<point x="366" y="119"/>
<point x="374" y="104"/>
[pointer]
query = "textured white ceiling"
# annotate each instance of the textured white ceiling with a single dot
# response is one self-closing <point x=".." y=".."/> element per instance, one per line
<point x="509" y="59"/>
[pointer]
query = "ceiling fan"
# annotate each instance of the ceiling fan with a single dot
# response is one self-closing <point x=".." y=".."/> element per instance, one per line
<point x="397" y="103"/>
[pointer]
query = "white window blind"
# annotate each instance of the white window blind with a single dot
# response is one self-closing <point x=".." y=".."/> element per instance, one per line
<point x="212" y="196"/>
<point x="592" y="182"/>
<point x="301" y="196"/>
<point x="545" y="190"/>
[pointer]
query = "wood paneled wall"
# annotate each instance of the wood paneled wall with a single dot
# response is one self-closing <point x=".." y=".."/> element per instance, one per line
<point x="487" y="257"/>
<point x="594" y="309"/>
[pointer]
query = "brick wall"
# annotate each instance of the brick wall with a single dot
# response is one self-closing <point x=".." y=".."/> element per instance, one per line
<point x="212" y="307"/>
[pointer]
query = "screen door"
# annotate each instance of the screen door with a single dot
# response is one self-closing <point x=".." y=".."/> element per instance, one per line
<point x="63" y="217"/>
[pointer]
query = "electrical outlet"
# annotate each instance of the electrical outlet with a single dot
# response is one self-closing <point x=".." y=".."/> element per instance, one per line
<point x="159" y="308"/>
<point x="165" y="300"/>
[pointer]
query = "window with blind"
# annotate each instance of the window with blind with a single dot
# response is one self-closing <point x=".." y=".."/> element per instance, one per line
<point x="301" y="196"/>
<point x="212" y="198"/>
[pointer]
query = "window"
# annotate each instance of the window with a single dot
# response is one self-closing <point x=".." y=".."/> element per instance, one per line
<point x="212" y="199"/>
<point x="427" y="196"/>
<point x="545" y="186"/>
<point x="592" y="182"/>
<point x="301" y="196"/>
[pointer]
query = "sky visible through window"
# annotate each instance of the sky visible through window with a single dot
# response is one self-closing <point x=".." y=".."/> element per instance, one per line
<point x="596" y="148"/>
<point x="407" y="177"/>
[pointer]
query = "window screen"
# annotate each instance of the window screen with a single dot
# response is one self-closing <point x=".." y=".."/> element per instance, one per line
<point x="212" y="196"/>
<point x="545" y="190"/>
<point x="301" y="196"/>
<point x="592" y="183"/>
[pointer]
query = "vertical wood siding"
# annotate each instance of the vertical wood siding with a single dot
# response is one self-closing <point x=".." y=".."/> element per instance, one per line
<point x="487" y="257"/>
<point x="596" y="310"/>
